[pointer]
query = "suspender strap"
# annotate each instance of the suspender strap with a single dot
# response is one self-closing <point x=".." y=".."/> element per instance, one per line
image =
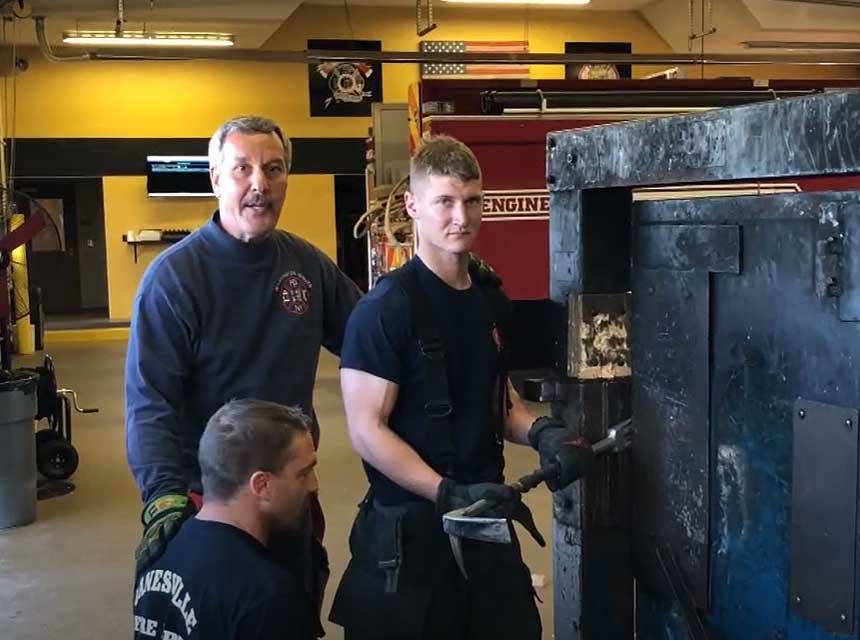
<point x="499" y="307"/>
<point x="437" y="396"/>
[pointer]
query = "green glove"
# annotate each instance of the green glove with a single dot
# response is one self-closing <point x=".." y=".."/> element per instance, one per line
<point x="162" y="517"/>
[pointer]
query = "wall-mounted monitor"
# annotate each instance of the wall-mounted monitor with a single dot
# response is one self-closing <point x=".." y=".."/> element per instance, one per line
<point x="178" y="176"/>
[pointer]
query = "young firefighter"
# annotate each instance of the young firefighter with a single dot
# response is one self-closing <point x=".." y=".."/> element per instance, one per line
<point x="429" y="405"/>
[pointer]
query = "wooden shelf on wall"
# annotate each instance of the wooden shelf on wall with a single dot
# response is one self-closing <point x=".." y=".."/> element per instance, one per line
<point x="134" y="243"/>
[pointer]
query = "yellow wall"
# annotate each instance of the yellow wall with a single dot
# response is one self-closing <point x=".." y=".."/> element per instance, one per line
<point x="190" y="99"/>
<point x="165" y="99"/>
<point x="545" y="29"/>
<point x="308" y="211"/>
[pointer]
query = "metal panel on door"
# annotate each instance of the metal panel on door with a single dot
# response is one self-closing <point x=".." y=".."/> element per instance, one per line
<point x="773" y="332"/>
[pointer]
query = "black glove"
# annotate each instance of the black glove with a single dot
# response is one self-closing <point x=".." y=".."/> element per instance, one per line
<point x="450" y="496"/>
<point x="162" y="517"/>
<point x="506" y="503"/>
<point x="559" y="446"/>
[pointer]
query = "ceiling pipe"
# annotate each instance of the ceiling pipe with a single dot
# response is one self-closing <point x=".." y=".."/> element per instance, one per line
<point x="854" y="4"/>
<point x="120" y="18"/>
<point x="798" y="45"/>
<point x="45" y="47"/>
<point x="315" y="56"/>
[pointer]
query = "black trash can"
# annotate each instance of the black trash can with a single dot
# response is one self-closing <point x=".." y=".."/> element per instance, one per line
<point x="17" y="448"/>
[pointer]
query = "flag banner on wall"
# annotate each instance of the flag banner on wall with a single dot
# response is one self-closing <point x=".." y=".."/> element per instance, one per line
<point x="470" y="71"/>
<point x="597" y="71"/>
<point x="338" y="89"/>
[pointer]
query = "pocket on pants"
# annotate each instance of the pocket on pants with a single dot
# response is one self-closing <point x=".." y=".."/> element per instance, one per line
<point x="362" y="606"/>
<point x="379" y="594"/>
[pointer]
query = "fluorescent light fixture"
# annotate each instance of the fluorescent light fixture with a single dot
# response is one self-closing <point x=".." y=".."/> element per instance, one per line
<point x="147" y="39"/>
<point x="802" y="46"/>
<point x="547" y="2"/>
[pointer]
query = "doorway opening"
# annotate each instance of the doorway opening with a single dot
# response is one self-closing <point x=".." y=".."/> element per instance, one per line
<point x="67" y="262"/>
<point x="350" y="202"/>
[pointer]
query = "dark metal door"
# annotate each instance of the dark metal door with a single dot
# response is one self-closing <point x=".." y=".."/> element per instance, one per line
<point x="745" y="385"/>
<point x="53" y="260"/>
<point x="745" y="345"/>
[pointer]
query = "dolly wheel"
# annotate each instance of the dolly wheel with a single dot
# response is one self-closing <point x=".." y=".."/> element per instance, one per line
<point x="57" y="459"/>
<point x="44" y="436"/>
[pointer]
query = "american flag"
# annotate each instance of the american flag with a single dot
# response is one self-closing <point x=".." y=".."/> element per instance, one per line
<point x="465" y="71"/>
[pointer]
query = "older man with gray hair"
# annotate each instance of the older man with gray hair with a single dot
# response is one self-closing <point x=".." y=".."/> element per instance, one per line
<point x="237" y="309"/>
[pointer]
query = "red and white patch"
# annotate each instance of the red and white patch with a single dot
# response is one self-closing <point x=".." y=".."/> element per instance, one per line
<point x="294" y="292"/>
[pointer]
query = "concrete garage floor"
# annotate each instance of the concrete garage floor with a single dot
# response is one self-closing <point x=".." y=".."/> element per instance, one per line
<point x="69" y="574"/>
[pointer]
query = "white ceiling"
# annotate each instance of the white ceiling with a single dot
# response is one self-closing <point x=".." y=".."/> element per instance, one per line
<point x="737" y="21"/>
<point x="782" y="14"/>
<point x="253" y="21"/>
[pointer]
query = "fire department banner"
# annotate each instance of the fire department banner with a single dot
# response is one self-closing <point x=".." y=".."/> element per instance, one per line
<point x="338" y="89"/>
<point x="597" y="71"/>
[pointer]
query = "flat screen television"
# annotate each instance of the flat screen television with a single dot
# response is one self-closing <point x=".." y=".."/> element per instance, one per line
<point x="178" y="176"/>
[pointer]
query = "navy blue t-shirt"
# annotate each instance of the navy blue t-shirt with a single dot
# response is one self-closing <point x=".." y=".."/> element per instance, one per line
<point x="379" y="340"/>
<point x="217" y="581"/>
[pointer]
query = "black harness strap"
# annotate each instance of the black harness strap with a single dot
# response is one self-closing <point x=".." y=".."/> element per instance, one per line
<point x="437" y="396"/>
<point x="499" y="305"/>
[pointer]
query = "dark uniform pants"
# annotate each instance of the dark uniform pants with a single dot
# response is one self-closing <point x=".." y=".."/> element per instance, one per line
<point x="402" y="583"/>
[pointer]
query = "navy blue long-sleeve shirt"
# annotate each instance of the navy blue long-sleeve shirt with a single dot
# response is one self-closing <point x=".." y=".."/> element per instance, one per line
<point x="216" y="319"/>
